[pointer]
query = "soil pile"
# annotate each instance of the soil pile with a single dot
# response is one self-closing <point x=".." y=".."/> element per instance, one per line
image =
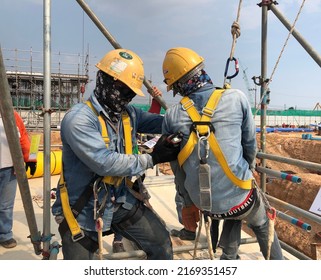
<point x="291" y="145"/>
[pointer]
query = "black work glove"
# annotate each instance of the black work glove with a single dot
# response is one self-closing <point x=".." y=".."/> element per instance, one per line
<point x="167" y="148"/>
<point x="32" y="165"/>
<point x="136" y="183"/>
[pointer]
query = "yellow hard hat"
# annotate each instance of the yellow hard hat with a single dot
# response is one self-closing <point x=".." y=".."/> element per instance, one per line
<point x="177" y="63"/>
<point x="126" y="66"/>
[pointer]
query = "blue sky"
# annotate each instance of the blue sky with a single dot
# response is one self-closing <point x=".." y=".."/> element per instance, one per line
<point x="150" y="28"/>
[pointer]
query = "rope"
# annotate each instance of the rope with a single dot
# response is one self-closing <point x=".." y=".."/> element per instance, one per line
<point x="99" y="229"/>
<point x="271" y="213"/>
<point x="197" y="237"/>
<point x="236" y="32"/>
<point x="280" y="55"/>
<point x="208" y="236"/>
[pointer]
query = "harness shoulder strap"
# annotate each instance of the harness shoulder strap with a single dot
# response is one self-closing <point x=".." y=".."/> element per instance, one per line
<point x="104" y="132"/>
<point x="201" y="124"/>
<point x="208" y="112"/>
<point x="127" y="133"/>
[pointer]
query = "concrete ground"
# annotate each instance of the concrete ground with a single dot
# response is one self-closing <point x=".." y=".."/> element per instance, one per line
<point x="162" y="191"/>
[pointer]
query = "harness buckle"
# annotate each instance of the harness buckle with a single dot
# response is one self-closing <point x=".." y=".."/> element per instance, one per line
<point x="78" y="236"/>
<point x="208" y="112"/>
<point x="194" y="125"/>
<point x="188" y="104"/>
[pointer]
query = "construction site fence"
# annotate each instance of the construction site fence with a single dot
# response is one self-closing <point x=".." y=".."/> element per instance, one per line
<point x="275" y="117"/>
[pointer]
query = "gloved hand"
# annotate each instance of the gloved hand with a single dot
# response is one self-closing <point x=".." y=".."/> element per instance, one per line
<point x="32" y="165"/>
<point x="190" y="217"/>
<point x="136" y="185"/>
<point x="167" y="148"/>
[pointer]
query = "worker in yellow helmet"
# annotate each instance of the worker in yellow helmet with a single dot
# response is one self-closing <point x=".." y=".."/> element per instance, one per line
<point x="96" y="167"/>
<point x="214" y="169"/>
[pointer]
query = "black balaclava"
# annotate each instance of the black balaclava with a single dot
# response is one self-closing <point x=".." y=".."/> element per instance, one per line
<point x="112" y="95"/>
<point x="186" y="86"/>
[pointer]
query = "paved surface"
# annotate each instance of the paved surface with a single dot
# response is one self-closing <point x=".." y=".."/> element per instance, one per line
<point x="162" y="191"/>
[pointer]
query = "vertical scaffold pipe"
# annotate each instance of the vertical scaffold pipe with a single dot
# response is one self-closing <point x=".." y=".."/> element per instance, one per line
<point x="279" y="174"/>
<point x="10" y="127"/>
<point x="47" y="128"/>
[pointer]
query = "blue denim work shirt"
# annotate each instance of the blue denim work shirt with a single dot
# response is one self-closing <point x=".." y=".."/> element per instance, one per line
<point x="85" y="154"/>
<point x="236" y="134"/>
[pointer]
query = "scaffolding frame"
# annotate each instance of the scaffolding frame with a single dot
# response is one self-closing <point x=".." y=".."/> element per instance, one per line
<point x="26" y="83"/>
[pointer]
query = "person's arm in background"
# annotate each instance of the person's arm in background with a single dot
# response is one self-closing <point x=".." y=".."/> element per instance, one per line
<point x="25" y="144"/>
<point x="23" y="137"/>
<point x="155" y="107"/>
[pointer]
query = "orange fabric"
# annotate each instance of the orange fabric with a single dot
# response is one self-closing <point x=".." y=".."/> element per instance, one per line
<point x="190" y="217"/>
<point x="24" y="137"/>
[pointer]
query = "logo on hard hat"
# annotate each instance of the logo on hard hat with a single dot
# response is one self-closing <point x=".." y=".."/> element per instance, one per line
<point x="125" y="55"/>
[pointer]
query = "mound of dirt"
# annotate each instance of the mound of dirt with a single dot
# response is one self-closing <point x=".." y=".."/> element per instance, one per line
<point x="291" y="145"/>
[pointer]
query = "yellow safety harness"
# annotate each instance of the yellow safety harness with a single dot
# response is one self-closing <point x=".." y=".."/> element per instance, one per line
<point x="202" y="126"/>
<point x="69" y="213"/>
<point x="115" y="180"/>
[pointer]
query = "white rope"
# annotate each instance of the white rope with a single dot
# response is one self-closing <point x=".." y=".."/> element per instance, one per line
<point x="236" y="32"/>
<point x="208" y="236"/>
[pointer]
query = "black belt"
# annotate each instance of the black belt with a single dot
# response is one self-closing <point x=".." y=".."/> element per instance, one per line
<point x="243" y="208"/>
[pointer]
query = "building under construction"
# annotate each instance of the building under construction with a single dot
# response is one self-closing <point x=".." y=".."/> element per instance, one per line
<point x="69" y="76"/>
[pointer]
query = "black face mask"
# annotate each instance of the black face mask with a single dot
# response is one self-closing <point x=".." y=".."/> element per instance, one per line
<point x="112" y="95"/>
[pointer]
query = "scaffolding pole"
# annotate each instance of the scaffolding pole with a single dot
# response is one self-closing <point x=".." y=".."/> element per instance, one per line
<point x="10" y="127"/>
<point x="47" y="128"/>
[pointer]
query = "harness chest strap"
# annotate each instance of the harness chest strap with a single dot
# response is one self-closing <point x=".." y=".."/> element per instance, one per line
<point x="208" y="112"/>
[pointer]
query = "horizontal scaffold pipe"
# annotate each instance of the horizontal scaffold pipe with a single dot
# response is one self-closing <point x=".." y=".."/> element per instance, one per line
<point x="139" y="254"/>
<point x="279" y="174"/>
<point x="294" y="221"/>
<point x="293" y="251"/>
<point x="295" y="209"/>
<point x="296" y="162"/>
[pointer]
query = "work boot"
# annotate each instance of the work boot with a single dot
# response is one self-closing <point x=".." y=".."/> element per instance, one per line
<point x="118" y="247"/>
<point x="8" y="244"/>
<point x="183" y="234"/>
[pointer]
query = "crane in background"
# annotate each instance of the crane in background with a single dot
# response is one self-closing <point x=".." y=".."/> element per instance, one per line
<point x="250" y="91"/>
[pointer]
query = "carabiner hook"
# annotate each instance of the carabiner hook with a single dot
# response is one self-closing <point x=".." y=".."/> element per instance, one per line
<point x="236" y="68"/>
<point x="202" y="138"/>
